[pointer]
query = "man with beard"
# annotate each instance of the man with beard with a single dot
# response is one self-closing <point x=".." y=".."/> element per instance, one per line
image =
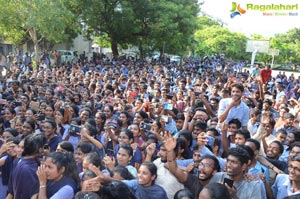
<point x="236" y="168"/>
<point x="288" y="184"/>
<point x="234" y="108"/>
<point x="171" y="185"/>
<point x="208" y="166"/>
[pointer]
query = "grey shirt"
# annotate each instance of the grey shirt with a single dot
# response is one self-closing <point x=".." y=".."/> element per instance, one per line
<point x="245" y="189"/>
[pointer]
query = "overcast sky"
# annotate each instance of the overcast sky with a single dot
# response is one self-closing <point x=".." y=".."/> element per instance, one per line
<point x="253" y="22"/>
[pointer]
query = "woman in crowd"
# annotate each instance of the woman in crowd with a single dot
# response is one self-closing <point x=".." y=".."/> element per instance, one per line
<point x="58" y="176"/>
<point x="124" y="155"/>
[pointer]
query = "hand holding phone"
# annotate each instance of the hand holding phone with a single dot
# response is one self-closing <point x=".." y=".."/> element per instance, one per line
<point x="228" y="181"/>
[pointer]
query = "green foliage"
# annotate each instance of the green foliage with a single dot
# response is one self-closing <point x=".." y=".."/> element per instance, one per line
<point x="37" y="20"/>
<point x="211" y="38"/>
<point x="150" y="25"/>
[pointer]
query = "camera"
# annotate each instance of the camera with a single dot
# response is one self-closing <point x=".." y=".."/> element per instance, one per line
<point x="146" y="126"/>
<point x="75" y="129"/>
<point x="168" y="106"/>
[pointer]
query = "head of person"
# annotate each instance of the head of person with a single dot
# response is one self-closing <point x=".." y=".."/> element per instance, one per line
<point x="125" y="118"/>
<point x="187" y="136"/>
<point x="28" y="127"/>
<point x="92" y="158"/>
<point x="293" y="136"/>
<point x="140" y="117"/>
<point x="82" y="150"/>
<point x="288" y="120"/>
<point x="89" y="130"/>
<point x="294" y="169"/>
<point x="34" y="145"/>
<point x="281" y="135"/>
<point x="237" y="162"/>
<point x="125" y="137"/>
<point x="121" y="173"/>
<point x="237" y="90"/>
<point x="49" y="128"/>
<point x="233" y="126"/>
<point x="215" y="191"/>
<point x="183" y="194"/>
<point x="58" y="165"/>
<point x="254" y="145"/>
<point x="134" y="128"/>
<point x="8" y="133"/>
<point x="65" y="147"/>
<point x="198" y="128"/>
<point x="208" y="166"/>
<point x="274" y="150"/>
<point x="147" y="174"/>
<point x="124" y="154"/>
<point x="294" y="150"/>
<point x="117" y="190"/>
<point x="84" y="114"/>
<point x="9" y="113"/>
<point x="12" y="150"/>
<point x="241" y="136"/>
<point x="269" y="127"/>
<point x="108" y="111"/>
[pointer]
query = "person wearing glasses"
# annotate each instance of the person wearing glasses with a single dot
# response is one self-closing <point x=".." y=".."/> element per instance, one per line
<point x="288" y="184"/>
<point x="208" y="166"/>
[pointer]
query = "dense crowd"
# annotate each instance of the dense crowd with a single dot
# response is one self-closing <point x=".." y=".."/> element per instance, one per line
<point x="128" y="128"/>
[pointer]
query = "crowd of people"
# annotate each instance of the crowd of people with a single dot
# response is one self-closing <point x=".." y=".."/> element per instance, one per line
<point x="129" y="129"/>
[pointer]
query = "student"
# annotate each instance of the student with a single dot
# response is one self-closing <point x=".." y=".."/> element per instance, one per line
<point x="237" y="166"/>
<point x="215" y="191"/>
<point x="58" y="176"/>
<point x="25" y="172"/>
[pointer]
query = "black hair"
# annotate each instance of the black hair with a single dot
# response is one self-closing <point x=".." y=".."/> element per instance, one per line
<point x="89" y="195"/>
<point x="237" y="122"/>
<point x="127" y="148"/>
<point x="95" y="159"/>
<point x="143" y="114"/>
<point x="84" y="147"/>
<point x="152" y="168"/>
<point x="128" y="133"/>
<point x="257" y="144"/>
<point x="127" y="116"/>
<point x="33" y="143"/>
<point x="283" y="131"/>
<point x="187" y="135"/>
<point x="92" y="129"/>
<point x="249" y="150"/>
<point x="182" y="145"/>
<point x="217" y="166"/>
<point x="244" y="133"/>
<point x="52" y="122"/>
<point x="66" y="145"/>
<point x="281" y="148"/>
<point x="186" y="193"/>
<point x="214" y="130"/>
<point x="90" y="121"/>
<point x="202" y="125"/>
<point x="294" y="144"/>
<point x="12" y="131"/>
<point x="123" y="171"/>
<point x="117" y="190"/>
<point x="217" y="191"/>
<point x="14" y="140"/>
<point x="31" y="123"/>
<point x="67" y="161"/>
<point x="296" y="133"/>
<point x="240" y="153"/>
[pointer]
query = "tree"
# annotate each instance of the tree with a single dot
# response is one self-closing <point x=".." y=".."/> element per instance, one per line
<point x="39" y="20"/>
<point x="211" y="38"/>
<point x="143" y="23"/>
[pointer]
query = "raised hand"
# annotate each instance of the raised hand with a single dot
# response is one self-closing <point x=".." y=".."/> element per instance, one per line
<point x="41" y="173"/>
<point x="151" y="149"/>
<point x="169" y="142"/>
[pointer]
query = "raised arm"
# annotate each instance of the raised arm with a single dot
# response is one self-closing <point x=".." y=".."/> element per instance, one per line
<point x="170" y="144"/>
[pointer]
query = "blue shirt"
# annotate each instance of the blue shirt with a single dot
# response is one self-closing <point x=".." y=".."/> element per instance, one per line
<point x="259" y="168"/>
<point x="282" y="187"/>
<point x="240" y="112"/>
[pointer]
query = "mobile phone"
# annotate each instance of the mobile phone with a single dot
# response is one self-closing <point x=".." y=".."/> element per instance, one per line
<point x="98" y="105"/>
<point x="146" y="126"/>
<point x="74" y="129"/>
<point x="168" y="106"/>
<point x="228" y="181"/>
<point x="131" y="80"/>
<point x="110" y="153"/>
<point x="18" y="104"/>
<point x="210" y="140"/>
<point x="165" y="118"/>
<point x="41" y="117"/>
<point x="197" y="94"/>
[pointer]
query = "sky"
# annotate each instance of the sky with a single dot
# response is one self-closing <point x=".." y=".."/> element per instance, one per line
<point x="253" y="22"/>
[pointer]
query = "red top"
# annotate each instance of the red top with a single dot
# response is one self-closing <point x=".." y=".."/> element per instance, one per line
<point x="265" y="75"/>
